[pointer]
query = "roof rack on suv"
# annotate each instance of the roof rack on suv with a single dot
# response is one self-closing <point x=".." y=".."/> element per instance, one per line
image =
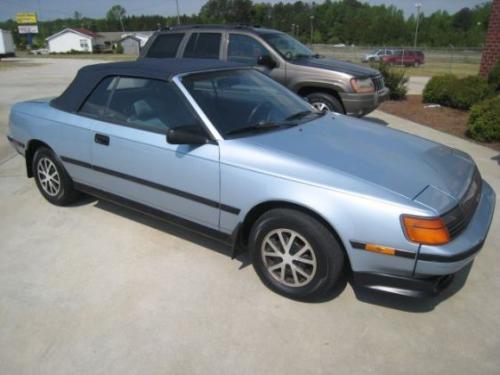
<point x="210" y="26"/>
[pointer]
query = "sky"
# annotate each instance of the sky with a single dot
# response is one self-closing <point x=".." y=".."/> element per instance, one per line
<point x="51" y="9"/>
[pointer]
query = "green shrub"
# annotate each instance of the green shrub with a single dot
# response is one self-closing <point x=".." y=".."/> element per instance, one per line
<point x="484" y="121"/>
<point x="468" y="91"/>
<point x="395" y="79"/>
<point x="119" y="49"/>
<point x="438" y="89"/>
<point x="494" y="77"/>
<point x="450" y="91"/>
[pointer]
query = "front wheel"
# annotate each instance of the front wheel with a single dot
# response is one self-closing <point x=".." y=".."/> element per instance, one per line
<point x="325" y="102"/>
<point x="295" y="255"/>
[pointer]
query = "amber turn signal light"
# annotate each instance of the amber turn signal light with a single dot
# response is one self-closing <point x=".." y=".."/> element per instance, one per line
<point x="426" y="231"/>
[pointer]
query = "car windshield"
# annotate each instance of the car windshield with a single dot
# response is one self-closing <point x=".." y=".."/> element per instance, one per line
<point x="244" y="101"/>
<point x="287" y="46"/>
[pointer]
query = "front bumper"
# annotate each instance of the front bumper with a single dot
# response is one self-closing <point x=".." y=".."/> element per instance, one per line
<point x="449" y="258"/>
<point x="361" y="104"/>
<point x="402" y="285"/>
<point x="435" y="266"/>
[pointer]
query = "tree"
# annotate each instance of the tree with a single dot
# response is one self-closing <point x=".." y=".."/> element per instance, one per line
<point x="116" y="13"/>
<point x="462" y="20"/>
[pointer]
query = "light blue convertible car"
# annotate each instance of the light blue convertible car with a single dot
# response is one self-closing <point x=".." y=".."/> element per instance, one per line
<point x="226" y="151"/>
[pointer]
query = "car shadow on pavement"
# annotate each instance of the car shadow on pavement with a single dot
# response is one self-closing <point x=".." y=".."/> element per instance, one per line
<point x="164" y="226"/>
<point x="409" y="304"/>
<point x="375" y="120"/>
<point x="496" y="158"/>
<point x="397" y="302"/>
<point x="194" y="237"/>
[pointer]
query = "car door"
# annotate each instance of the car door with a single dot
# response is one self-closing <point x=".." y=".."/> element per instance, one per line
<point x="132" y="159"/>
<point x="245" y="49"/>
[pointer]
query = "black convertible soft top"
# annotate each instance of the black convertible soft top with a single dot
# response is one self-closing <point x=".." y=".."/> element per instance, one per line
<point x="89" y="76"/>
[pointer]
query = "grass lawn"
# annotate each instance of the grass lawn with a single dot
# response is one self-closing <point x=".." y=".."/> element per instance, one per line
<point x="9" y="64"/>
<point x="430" y="69"/>
<point x="434" y="68"/>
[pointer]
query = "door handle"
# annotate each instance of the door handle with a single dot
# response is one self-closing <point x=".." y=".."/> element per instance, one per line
<point x="101" y="139"/>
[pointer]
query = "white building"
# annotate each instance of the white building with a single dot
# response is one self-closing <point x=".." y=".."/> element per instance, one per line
<point x="82" y="40"/>
<point x="132" y="43"/>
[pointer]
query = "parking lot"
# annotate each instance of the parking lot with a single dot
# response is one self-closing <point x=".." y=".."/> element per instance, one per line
<point x="97" y="289"/>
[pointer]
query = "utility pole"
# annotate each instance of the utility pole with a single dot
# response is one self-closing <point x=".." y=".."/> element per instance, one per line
<point x="312" y="28"/>
<point x="418" y="6"/>
<point x="121" y="23"/>
<point x="178" y="16"/>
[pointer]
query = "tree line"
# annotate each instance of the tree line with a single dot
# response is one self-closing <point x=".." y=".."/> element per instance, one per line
<point x="349" y="22"/>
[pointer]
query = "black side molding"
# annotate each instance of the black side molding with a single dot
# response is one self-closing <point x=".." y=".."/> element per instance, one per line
<point x="397" y="252"/>
<point x="154" y="185"/>
<point x="15" y="142"/>
<point x="155" y="213"/>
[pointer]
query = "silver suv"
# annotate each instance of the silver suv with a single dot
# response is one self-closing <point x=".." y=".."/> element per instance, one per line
<point x="328" y="84"/>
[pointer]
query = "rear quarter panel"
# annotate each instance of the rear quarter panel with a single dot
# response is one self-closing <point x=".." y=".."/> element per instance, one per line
<point x="65" y="133"/>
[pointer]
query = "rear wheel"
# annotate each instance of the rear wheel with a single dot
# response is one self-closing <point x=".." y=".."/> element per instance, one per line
<point x="325" y="102"/>
<point x="51" y="178"/>
<point x="295" y="255"/>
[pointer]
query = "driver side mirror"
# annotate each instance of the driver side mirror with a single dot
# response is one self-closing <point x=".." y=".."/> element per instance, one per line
<point x="267" y="61"/>
<point x="187" y="135"/>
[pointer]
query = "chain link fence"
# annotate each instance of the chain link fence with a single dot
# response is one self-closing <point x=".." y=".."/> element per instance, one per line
<point x="460" y="61"/>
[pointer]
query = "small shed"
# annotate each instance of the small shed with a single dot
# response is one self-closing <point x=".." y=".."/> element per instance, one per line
<point x="133" y="43"/>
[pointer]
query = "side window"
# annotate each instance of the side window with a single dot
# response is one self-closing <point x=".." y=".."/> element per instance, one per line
<point x="203" y="46"/>
<point x="96" y="103"/>
<point x="149" y="104"/>
<point x="244" y="49"/>
<point x="165" y="45"/>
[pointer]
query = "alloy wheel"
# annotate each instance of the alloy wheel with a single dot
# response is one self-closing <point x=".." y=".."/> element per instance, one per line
<point x="320" y="106"/>
<point x="288" y="257"/>
<point x="48" y="176"/>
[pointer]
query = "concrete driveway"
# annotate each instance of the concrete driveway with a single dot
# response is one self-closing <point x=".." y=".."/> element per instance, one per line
<point x="98" y="289"/>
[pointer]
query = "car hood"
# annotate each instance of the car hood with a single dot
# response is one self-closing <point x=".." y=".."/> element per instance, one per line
<point x="338" y="66"/>
<point x="357" y="155"/>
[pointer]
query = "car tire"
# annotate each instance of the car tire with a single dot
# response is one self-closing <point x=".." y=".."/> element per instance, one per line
<point x="323" y="102"/>
<point x="51" y="178"/>
<point x="313" y="263"/>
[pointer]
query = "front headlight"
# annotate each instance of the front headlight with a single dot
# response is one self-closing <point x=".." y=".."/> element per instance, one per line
<point x="362" y="86"/>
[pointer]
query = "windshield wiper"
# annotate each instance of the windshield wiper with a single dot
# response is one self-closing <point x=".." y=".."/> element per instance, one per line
<point x="254" y="128"/>
<point x="302" y="114"/>
<point x="303" y="56"/>
<point x="299" y="115"/>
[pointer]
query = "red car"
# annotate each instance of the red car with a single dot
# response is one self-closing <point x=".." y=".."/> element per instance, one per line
<point x="404" y="57"/>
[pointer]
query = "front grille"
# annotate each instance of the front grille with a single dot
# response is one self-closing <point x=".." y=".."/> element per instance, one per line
<point x="459" y="217"/>
<point x="378" y="82"/>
